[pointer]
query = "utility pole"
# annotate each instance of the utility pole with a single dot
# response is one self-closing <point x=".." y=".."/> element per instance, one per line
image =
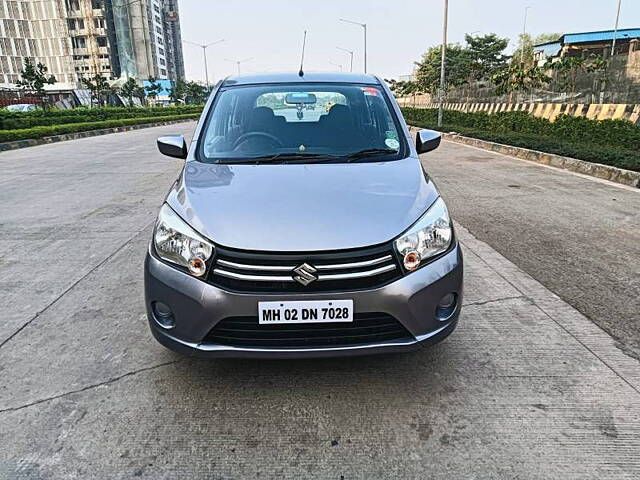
<point x="364" y="26"/>
<point x="442" y="62"/>
<point x="615" y="31"/>
<point x="204" y="54"/>
<point x="239" y="62"/>
<point x="350" y="52"/>
<point x="524" y="32"/>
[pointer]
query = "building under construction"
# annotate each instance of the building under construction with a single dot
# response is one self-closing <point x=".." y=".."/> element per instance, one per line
<point x="82" y="38"/>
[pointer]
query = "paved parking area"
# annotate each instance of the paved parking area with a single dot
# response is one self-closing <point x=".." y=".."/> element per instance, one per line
<point x="526" y="387"/>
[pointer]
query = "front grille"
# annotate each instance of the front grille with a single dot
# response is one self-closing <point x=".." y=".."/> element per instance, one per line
<point x="356" y="269"/>
<point x="365" y="329"/>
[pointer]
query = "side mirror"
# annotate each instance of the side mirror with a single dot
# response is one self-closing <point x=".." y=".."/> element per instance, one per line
<point x="173" y="146"/>
<point x="427" y="140"/>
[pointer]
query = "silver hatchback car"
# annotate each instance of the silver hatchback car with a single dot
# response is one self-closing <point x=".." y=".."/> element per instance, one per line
<point x="302" y="225"/>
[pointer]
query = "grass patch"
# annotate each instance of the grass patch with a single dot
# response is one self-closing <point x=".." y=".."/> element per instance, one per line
<point x="610" y="142"/>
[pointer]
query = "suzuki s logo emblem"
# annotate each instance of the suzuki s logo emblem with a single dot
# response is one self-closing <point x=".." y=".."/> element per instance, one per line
<point x="304" y="274"/>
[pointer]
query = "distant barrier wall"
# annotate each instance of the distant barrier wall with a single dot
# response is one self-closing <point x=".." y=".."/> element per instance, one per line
<point x="592" y="111"/>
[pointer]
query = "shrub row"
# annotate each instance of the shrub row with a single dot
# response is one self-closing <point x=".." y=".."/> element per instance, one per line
<point x="611" y="142"/>
<point x="24" y="120"/>
<point x="51" y="130"/>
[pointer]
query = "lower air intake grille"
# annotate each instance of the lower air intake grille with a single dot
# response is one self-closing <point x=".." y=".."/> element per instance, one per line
<point x="366" y="328"/>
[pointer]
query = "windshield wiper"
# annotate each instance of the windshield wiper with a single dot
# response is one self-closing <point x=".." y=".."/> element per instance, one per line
<point x="369" y="152"/>
<point x="283" y="157"/>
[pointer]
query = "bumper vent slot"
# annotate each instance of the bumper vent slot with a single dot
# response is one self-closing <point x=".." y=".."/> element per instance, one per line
<point x="366" y="328"/>
<point x="330" y="271"/>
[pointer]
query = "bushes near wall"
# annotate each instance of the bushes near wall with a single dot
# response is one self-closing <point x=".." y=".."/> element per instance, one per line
<point x="610" y="142"/>
<point x="21" y="120"/>
<point x="51" y="130"/>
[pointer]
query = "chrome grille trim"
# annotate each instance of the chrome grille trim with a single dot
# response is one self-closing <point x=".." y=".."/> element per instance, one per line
<point x="258" y="268"/>
<point x="252" y="278"/>
<point x="344" y="266"/>
<point x="367" y="273"/>
<point x="280" y="278"/>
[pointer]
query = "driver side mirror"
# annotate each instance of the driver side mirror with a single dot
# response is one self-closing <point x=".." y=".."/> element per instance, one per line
<point x="427" y="140"/>
<point x="173" y="146"/>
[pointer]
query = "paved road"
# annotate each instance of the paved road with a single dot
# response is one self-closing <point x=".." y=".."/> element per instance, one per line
<point x="527" y="387"/>
<point x="577" y="236"/>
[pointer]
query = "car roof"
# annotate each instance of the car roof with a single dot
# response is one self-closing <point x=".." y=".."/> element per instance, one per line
<point x="291" y="77"/>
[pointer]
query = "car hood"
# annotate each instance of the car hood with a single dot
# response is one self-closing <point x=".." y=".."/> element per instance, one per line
<point x="302" y="207"/>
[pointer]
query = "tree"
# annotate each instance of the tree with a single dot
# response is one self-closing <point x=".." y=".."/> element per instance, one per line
<point x="33" y="78"/>
<point x="99" y="88"/>
<point x="569" y="68"/>
<point x="129" y="90"/>
<point x="195" y="93"/>
<point x="457" y="68"/>
<point x="178" y="92"/>
<point x="153" y="89"/>
<point x="518" y="77"/>
<point x="487" y="54"/>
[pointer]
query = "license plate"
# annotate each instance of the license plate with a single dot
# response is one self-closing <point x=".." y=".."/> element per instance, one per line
<point x="323" y="311"/>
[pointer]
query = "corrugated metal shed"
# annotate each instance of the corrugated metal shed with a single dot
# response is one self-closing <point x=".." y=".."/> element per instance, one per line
<point x="607" y="35"/>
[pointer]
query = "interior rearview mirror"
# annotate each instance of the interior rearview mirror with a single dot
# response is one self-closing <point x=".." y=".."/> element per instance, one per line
<point x="173" y="146"/>
<point x="427" y="140"/>
<point x="300" y="98"/>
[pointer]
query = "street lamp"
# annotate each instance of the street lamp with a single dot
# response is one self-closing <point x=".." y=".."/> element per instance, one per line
<point x="524" y="32"/>
<point x="204" y="53"/>
<point x="336" y="64"/>
<point x="239" y="62"/>
<point x="364" y="26"/>
<point x="615" y="31"/>
<point x="443" y="58"/>
<point x="350" y="52"/>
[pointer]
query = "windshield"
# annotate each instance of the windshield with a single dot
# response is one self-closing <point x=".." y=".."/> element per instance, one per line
<point x="301" y="123"/>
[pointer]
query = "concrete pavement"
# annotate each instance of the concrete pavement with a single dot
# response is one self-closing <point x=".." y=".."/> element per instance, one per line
<point x="577" y="235"/>
<point x="527" y="387"/>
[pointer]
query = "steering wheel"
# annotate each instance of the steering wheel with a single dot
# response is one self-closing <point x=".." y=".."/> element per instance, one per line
<point x="246" y="136"/>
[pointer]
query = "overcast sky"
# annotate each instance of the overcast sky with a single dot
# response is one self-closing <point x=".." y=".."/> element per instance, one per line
<point x="271" y="31"/>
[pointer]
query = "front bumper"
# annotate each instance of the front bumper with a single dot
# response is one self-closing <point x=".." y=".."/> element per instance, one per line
<point x="198" y="306"/>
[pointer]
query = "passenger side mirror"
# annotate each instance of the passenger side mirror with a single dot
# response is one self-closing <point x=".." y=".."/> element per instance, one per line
<point x="173" y="146"/>
<point x="427" y="140"/>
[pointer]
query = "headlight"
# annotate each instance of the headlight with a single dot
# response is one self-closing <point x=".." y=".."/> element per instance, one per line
<point x="178" y="243"/>
<point x="428" y="237"/>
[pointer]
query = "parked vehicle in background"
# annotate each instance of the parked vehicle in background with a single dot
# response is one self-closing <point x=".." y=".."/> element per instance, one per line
<point x="22" y="107"/>
<point x="297" y="232"/>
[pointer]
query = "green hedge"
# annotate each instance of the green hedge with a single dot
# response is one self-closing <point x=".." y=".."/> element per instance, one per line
<point x="611" y="142"/>
<point x="23" y="120"/>
<point x="51" y="130"/>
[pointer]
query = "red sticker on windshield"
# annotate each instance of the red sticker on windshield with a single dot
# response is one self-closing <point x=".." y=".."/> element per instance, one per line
<point x="370" y="91"/>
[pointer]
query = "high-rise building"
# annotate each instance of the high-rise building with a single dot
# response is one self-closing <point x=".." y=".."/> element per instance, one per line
<point x="35" y="29"/>
<point x="82" y="38"/>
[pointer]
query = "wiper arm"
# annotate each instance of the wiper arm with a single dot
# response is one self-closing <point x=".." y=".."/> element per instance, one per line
<point x="282" y="157"/>
<point x="369" y="152"/>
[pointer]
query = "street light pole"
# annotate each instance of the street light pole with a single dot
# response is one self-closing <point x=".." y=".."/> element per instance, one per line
<point x="524" y="32"/>
<point x="350" y="52"/>
<point x="442" y="62"/>
<point x="204" y="54"/>
<point x="239" y="62"/>
<point x="336" y="64"/>
<point x="364" y="26"/>
<point x="615" y="31"/>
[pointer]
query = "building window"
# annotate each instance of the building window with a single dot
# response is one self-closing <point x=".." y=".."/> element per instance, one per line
<point x="71" y="23"/>
<point x="159" y="30"/>
<point x="162" y="62"/>
<point x="163" y="72"/>
<point x="102" y="41"/>
<point x="79" y="42"/>
<point x="99" y="22"/>
<point x="160" y="41"/>
<point x="161" y="51"/>
<point x="97" y="4"/>
<point x="80" y="24"/>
